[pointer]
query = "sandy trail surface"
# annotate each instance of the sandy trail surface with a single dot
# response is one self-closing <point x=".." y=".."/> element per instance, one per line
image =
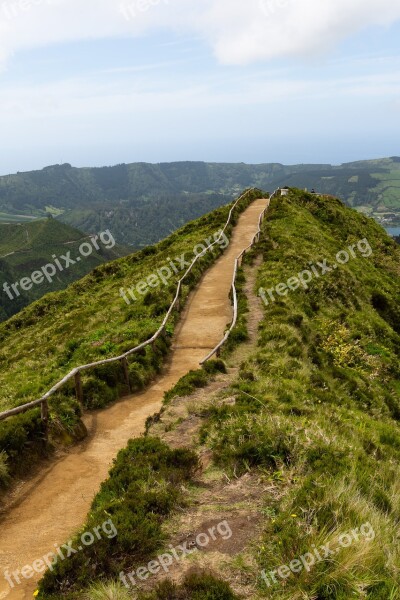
<point x="49" y="508"/>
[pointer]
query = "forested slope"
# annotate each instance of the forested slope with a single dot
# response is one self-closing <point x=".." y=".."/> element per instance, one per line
<point x="142" y="203"/>
<point x="26" y="248"/>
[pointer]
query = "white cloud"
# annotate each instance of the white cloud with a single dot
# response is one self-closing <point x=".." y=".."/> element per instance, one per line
<point x="238" y="31"/>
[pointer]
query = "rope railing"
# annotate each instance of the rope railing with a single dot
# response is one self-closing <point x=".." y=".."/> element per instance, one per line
<point x="238" y="263"/>
<point x="123" y="358"/>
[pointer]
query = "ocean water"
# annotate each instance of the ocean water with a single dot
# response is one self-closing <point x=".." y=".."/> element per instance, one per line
<point x="393" y="230"/>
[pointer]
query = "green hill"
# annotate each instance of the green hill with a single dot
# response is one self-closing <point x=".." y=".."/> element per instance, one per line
<point x="304" y="441"/>
<point x="90" y="321"/>
<point x="142" y="203"/>
<point x="26" y="248"/>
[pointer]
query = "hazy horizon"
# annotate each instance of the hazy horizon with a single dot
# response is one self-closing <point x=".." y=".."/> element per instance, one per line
<point x="87" y="166"/>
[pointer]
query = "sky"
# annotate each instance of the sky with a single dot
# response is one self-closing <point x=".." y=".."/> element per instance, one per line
<point x="101" y="82"/>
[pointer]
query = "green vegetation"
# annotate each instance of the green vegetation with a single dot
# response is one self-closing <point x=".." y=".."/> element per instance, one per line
<point x="316" y="418"/>
<point x="319" y="418"/>
<point x="111" y="590"/>
<point x="26" y="248"/>
<point x="371" y="186"/>
<point x="195" y="379"/>
<point x="196" y="586"/>
<point x="87" y="322"/>
<point x="142" y="203"/>
<point x="144" y="486"/>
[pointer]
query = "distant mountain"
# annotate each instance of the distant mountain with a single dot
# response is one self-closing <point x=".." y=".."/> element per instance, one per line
<point x="141" y="203"/>
<point x="51" y="251"/>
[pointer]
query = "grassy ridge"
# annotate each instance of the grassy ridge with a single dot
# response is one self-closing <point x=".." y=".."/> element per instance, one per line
<point x="316" y="416"/>
<point x="87" y="322"/>
<point x="323" y="426"/>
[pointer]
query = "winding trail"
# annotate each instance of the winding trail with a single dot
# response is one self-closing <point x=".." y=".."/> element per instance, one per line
<point x="47" y="509"/>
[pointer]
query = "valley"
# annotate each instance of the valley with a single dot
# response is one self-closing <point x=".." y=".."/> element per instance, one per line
<point x="142" y="203"/>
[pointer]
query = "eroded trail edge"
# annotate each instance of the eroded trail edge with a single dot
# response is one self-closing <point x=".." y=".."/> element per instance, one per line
<point x="49" y="508"/>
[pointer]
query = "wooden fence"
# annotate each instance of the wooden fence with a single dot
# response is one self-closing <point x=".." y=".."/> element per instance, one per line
<point x="238" y="263"/>
<point x="75" y="374"/>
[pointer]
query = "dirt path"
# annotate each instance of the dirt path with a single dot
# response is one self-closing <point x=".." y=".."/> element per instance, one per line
<point x="49" y="508"/>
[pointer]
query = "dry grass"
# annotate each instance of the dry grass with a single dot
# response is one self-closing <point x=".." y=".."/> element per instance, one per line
<point x="111" y="590"/>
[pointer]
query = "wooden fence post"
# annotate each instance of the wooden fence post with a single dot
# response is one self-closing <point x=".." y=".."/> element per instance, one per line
<point x="44" y="408"/>
<point x="125" y="366"/>
<point x="79" y="388"/>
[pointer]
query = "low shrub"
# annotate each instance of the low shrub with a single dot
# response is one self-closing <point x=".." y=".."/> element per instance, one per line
<point x="111" y="373"/>
<point x="111" y="590"/>
<point x="196" y="586"/>
<point x="188" y="384"/>
<point x="21" y="437"/>
<point x="97" y="394"/>
<point x="214" y="366"/>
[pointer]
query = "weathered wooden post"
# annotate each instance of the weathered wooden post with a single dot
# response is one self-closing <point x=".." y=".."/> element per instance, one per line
<point x="163" y="335"/>
<point x="178" y="301"/>
<point x="44" y="408"/>
<point x="125" y="366"/>
<point x="79" y="388"/>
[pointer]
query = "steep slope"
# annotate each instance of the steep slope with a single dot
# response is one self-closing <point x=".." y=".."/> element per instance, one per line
<point x="141" y="203"/>
<point x="299" y="449"/>
<point x="27" y="248"/>
<point x="113" y="309"/>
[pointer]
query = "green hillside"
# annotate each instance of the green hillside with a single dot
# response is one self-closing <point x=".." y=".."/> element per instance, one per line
<point x="305" y="438"/>
<point x="26" y="248"/>
<point x="372" y="187"/>
<point x="90" y="321"/>
<point x="142" y="203"/>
